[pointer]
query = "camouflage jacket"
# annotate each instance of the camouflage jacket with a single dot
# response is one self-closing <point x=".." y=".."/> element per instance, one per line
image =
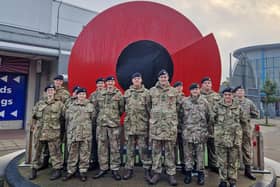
<point x="164" y="112"/>
<point x="212" y="98"/>
<point x="110" y="106"/>
<point x="93" y="98"/>
<point x="61" y="94"/>
<point x="249" y="109"/>
<point x="47" y="115"/>
<point x="228" y="119"/>
<point x="79" y="120"/>
<point x="69" y="101"/>
<point x="196" y="114"/>
<point x="137" y="107"/>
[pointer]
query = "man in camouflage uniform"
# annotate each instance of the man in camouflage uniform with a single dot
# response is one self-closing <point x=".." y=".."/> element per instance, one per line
<point x="110" y="106"/>
<point x="196" y="114"/>
<point x="100" y="85"/>
<point x="136" y="123"/>
<point x="47" y="113"/>
<point x="179" y="144"/>
<point x="228" y="117"/>
<point x="249" y="109"/>
<point x="212" y="98"/>
<point x="79" y="117"/>
<point x="163" y="127"/>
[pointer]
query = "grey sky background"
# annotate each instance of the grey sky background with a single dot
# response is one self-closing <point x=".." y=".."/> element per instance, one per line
<point x="234" y="23"/>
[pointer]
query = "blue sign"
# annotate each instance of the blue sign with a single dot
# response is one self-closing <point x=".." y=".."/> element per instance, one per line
<point x="12" y="96"/>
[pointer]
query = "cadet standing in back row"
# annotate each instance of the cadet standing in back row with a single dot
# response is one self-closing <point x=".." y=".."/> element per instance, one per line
<point x="196" y="115"/>
<point x="163" y="127"/>
<point x="110" y="106"/>
<point x="136" y="125"/>
<point x="212" y="98"/>
<point x="249" y="109"/>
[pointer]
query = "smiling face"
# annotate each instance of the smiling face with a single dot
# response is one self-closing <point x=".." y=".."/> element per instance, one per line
<point x="110" y="83"/>
<point x="195" y="92"/>
<point x="58" y="83"/>
<point x="240" y="93"/>
<point x="137" y="81"/>
<point x="100" y="85"/>
<point x="50" y="92"/>
<point x="228" y="96"/>
<point x="163" y="79"/>
<point x="81" y="96"/>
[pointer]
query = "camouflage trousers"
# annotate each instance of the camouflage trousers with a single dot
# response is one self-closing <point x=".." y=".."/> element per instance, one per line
<point x="108" y="147"/>
<point x="228" y="161"/>
<point x="54" y="147"/>
<point x="78" y="153"/>
<point x="212" y="156"/>
<point x="246" y="144"/>
<point x="169" y="156"/>
<point x="194" y="153"/>
<point x="142" y="142"/>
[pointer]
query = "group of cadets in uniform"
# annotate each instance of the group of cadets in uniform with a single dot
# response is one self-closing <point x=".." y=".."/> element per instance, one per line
<point x="159" y="119"/>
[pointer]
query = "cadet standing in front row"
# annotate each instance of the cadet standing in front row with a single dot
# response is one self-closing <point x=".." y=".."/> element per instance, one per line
<point x="110" y="106"/>
<point x="249" y="109"/>
<point x="47" y="113"/>
<point x="196" y="115"/>
<point x="136" y="125"/>
<point x="228" y="115"/>
<point x="79" y="117"/>
<point x="163" y="127"/>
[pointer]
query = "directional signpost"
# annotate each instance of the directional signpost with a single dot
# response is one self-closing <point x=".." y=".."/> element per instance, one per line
<point x="12" y="100"/>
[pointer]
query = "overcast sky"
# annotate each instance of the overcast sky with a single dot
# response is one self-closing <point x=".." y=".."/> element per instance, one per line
<point x="234" y="23"/>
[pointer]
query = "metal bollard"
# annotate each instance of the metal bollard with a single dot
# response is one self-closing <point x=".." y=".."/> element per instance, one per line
<point x="258" y="149"/>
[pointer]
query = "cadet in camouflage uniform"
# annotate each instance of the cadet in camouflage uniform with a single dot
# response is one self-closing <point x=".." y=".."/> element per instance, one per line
<point x="196" y="114"/>
<point x="163" y="127"/>
<point x="62" y="95"/>
<point x="249" y="109"/>
<point x="179" y="87"/>
<point x="110" y="106"/>
<point x="100" y="85"/>
<point x="79" y="117"/>
<point x="136" y="124"/>
<point x="47" y="113"/>
<point x="212" y="98"/>
<point x="228" y="115"/>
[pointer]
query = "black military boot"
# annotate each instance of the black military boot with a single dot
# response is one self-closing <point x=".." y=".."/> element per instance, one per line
<point x="33" y="174"/>
<point x="188" y="177"/>
<point x="83" y="176"/>
<point x="101" y="173"/>
<point x="223" y="184"/>
<point x="232" y="185"/>
<point x="172" y="181"/>
<point x="56" y="174"/>
<point x="248" y="172"/>
<point x="116" y="175"/>
<point x="128" y="175"/>
<point x="155" y="178"/>
<point x="67" y="176"/>
<point x="200" y="178"/>
<point x="147" y="175"/>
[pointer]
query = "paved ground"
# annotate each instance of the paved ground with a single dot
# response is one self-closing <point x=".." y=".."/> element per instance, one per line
<point x="11" y="140"/>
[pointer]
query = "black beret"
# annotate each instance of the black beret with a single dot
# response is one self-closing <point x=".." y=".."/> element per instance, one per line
<point x="205" y="79"/>
<point x="100" y="79"/>
<point x="49" y="86"/>
<point x="193" y="86"/>
<point x="79" y="90"/>
<point x="75" y="88"/>
<point x="162" y="72"/>
<point x="178" y="83"/>
<point x="228" y="89"/>
<point x="237" y="87"/>
<point x="58" y="77"/>
<point x="110" y="78"/>
<point x="137" y="74"/>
